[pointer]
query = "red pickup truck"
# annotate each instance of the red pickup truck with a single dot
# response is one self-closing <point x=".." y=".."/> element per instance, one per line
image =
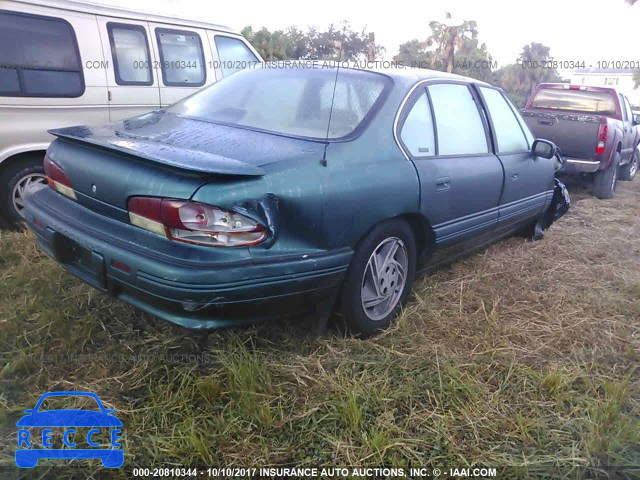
<point x="593" y="127"/>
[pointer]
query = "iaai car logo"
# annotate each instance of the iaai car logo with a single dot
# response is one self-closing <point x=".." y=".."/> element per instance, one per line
<point x="32" y="447"/>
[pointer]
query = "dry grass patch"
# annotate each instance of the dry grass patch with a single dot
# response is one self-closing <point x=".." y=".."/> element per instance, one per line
<point x="523" y="357"/>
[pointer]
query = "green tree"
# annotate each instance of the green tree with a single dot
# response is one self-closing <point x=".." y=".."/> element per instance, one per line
<point x="447" y="38"/>
<point x="519" y="79"/>
<point x="451" y="48"/>
<point x="414" y="54"/>
<point x="473" y="60"/>
<point x="293" y="44"/>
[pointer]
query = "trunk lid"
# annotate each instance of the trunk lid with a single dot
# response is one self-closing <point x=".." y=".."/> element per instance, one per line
<point x="163" y="155"/>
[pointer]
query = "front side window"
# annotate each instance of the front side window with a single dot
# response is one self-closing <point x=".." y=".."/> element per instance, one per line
<point x="417" y="131"/>
<point x="458" y="123"/>
<point x="130" y="52"/>
<point x="290" y="101"/>
<point x="39" y="57"/>
<point x="508" y="131"/>
<point x="181" y="58"/>
<point x="234" y="55"/>
<point x="627" y="107"/>
<point x="623" y="109"/>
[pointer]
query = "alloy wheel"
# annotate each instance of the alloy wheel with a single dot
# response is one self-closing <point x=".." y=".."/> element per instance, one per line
<point x="384" y="278"/>
<point x="22" y="186"/>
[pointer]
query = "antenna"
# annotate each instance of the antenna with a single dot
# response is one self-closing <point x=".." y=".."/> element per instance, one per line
<point x="333" y="97"/>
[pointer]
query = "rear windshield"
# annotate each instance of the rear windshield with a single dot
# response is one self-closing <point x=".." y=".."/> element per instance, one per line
<point x="290" y="101"/>
<point x="575" y="100"/>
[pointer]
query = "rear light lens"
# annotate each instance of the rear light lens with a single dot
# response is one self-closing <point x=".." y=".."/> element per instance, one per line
<point x="194" y="222"/>
<point x="57" y="179"/>
<point x="603" y="131"/>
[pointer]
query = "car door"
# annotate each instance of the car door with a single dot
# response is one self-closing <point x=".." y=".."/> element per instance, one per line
<point x="132" y="81"/>
<point x="528" y="183"/>
<point x="627" y="130"/>
<point x="444" y="133"/>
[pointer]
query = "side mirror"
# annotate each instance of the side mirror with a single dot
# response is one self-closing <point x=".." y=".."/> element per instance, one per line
<point x="29" y="410"/>
<point x="543" y="148"/>
<point x="636" y="120"/>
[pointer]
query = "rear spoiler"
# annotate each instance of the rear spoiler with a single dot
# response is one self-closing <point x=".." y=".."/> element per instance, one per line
<point x="156" y="152"/>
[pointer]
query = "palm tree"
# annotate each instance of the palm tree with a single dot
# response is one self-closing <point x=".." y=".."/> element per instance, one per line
<point x="448" y="38"/>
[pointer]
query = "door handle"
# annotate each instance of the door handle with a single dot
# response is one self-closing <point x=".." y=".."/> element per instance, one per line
<point x="443" y="183"/>
<point x="514" y="176"/>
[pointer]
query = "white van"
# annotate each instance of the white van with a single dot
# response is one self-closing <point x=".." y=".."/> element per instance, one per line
<point x="68" y="63"/>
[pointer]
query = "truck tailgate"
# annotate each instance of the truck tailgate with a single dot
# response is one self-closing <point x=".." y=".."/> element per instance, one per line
<point x="575" y="134"/>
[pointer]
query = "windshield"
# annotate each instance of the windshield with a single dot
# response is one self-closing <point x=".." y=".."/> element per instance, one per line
<point x="65" y="402"/>
<point x="575" y="101"/>
<point x="289" y="101"/>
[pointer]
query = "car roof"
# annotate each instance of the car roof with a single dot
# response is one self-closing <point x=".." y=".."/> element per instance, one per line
<point x="125" y="13"/>
<point x="395" y="70"/>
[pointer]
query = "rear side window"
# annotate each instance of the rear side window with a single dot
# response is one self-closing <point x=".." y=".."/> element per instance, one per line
<point x="458" y="123"/>
<point x="508" y="131"/>
<point x="234" y="55"/>
<point x="181" y="58"/>
<point x="601" y="103"/>
<point x="130" y="52"/>
<point x="417" y="131"/>
<point x="39" y="57"/>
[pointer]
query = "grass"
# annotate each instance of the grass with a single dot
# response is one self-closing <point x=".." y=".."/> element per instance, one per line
<point x="523" y="357"/>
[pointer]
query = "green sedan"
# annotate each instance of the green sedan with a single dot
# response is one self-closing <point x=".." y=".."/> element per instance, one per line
<point x="288" y="190"/>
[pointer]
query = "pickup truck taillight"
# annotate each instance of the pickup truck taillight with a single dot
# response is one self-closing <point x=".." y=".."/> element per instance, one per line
<point x="193" y="222"/>
<point x="602" y="138"/>
<point x="57" y="179"/>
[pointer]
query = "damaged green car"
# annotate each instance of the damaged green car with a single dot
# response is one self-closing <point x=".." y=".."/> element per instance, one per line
<point x="285" y="190"/>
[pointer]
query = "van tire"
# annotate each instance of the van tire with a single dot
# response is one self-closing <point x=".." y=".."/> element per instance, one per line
<point x="604" y="181"/>
<point x="17" y="171"/>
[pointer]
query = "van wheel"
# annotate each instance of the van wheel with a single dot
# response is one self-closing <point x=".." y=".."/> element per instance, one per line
<point x="628" y="171"/>
<point x="15" y="180"/>
<point x="379" y="279"/>
<point x="604" y="181"/>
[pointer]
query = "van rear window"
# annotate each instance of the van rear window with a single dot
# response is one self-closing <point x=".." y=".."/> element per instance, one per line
<point x="39" y="57"/>
<point x="575" y="101"/>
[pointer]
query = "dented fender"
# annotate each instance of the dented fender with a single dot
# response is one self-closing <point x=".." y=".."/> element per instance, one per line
<point x="264" y="211"/>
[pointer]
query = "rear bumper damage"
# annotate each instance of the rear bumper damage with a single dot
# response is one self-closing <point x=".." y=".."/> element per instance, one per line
<point x="199" y="288"/>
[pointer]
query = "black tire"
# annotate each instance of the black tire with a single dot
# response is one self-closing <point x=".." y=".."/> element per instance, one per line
<point x="357" y="320"/>
<point x="10" y="176"/>
<point x="604" y="181"/>
<point x="628" y="171"/>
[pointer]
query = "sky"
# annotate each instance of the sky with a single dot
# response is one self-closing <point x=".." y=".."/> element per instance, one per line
<point x="575" y="30"/>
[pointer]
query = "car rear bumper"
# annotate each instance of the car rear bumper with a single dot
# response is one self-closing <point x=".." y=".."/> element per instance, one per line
<point x="28" y="458"/>
<point x="196" y="287"/>
<point x="575" y="165"/>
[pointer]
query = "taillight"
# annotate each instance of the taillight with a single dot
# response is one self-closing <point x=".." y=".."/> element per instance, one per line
<point x="57" y="179"/>
<point x="603" y="131"/>
<point x="194" y="222"/>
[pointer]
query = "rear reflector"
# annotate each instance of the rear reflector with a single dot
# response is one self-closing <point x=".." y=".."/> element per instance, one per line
<point x="121" y="266"/>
